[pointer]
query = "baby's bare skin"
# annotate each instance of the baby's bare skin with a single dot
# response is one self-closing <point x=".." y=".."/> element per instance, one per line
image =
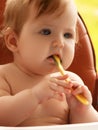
<point x="52" y="112"/>
<point x="49" y="112"/>
<point x="27" y="101"/>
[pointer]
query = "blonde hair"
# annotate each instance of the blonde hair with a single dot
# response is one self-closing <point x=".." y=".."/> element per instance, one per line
<point x="16" y="11"/>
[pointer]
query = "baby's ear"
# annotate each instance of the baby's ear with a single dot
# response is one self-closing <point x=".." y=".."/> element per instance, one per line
<point x="11" y="38"/>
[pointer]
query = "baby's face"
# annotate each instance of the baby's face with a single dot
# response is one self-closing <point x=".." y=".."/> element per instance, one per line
<point x="46" y="36"/>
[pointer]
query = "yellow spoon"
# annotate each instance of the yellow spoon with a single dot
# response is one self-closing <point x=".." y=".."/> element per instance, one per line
<point x="80" y="97"/>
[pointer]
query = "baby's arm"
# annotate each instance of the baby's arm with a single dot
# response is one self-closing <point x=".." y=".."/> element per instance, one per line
<point x="80" y="113"/>
<point x="84" y="116"/>
<point x="14" y="109"/>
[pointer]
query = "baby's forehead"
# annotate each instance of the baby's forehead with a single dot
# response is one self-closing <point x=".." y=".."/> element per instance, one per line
<point x="43" y="7"/>
<point x="38" y="11"/>
<point x="18" y="11"/>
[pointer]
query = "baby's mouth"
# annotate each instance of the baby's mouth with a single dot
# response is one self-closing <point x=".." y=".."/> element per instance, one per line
<point x="51" y="58"/>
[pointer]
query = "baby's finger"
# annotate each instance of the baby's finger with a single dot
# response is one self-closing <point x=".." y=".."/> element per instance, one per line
<point x="84" y="91"/>
<point x="62" y="83"/>
<point x="64" y="77"/>
<point x="77" y="90"/>
<point x="57" y="88"/>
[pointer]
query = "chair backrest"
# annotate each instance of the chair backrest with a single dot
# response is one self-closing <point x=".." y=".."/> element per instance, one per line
<point x="84" y="63"/>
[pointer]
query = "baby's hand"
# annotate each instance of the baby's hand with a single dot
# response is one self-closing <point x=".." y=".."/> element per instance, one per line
<point x="49" y="87"/>
<point x="78" y="89"/>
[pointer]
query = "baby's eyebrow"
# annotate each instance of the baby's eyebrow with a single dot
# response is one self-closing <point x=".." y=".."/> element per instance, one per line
<point x="70" y="30"/>
<point x="45" y="25"/>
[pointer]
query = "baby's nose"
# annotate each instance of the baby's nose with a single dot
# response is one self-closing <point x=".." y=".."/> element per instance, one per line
<point x="58" y="43"/>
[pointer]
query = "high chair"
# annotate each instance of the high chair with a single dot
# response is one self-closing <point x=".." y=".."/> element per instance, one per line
<point x="84" y="63"/>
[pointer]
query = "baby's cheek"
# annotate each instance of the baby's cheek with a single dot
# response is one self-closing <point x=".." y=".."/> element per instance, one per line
<point x="68" y="56"/>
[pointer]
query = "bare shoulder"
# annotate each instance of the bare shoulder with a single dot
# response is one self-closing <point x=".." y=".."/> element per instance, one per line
<point x="4" y="86"/>
<point x="72" y="76"/>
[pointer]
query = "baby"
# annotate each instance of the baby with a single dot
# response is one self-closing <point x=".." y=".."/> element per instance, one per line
<point x="32" y="91"/>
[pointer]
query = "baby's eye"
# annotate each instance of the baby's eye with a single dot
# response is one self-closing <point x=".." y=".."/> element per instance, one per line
<point x="68" y="35"/>
<point x="45" y="31"/>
